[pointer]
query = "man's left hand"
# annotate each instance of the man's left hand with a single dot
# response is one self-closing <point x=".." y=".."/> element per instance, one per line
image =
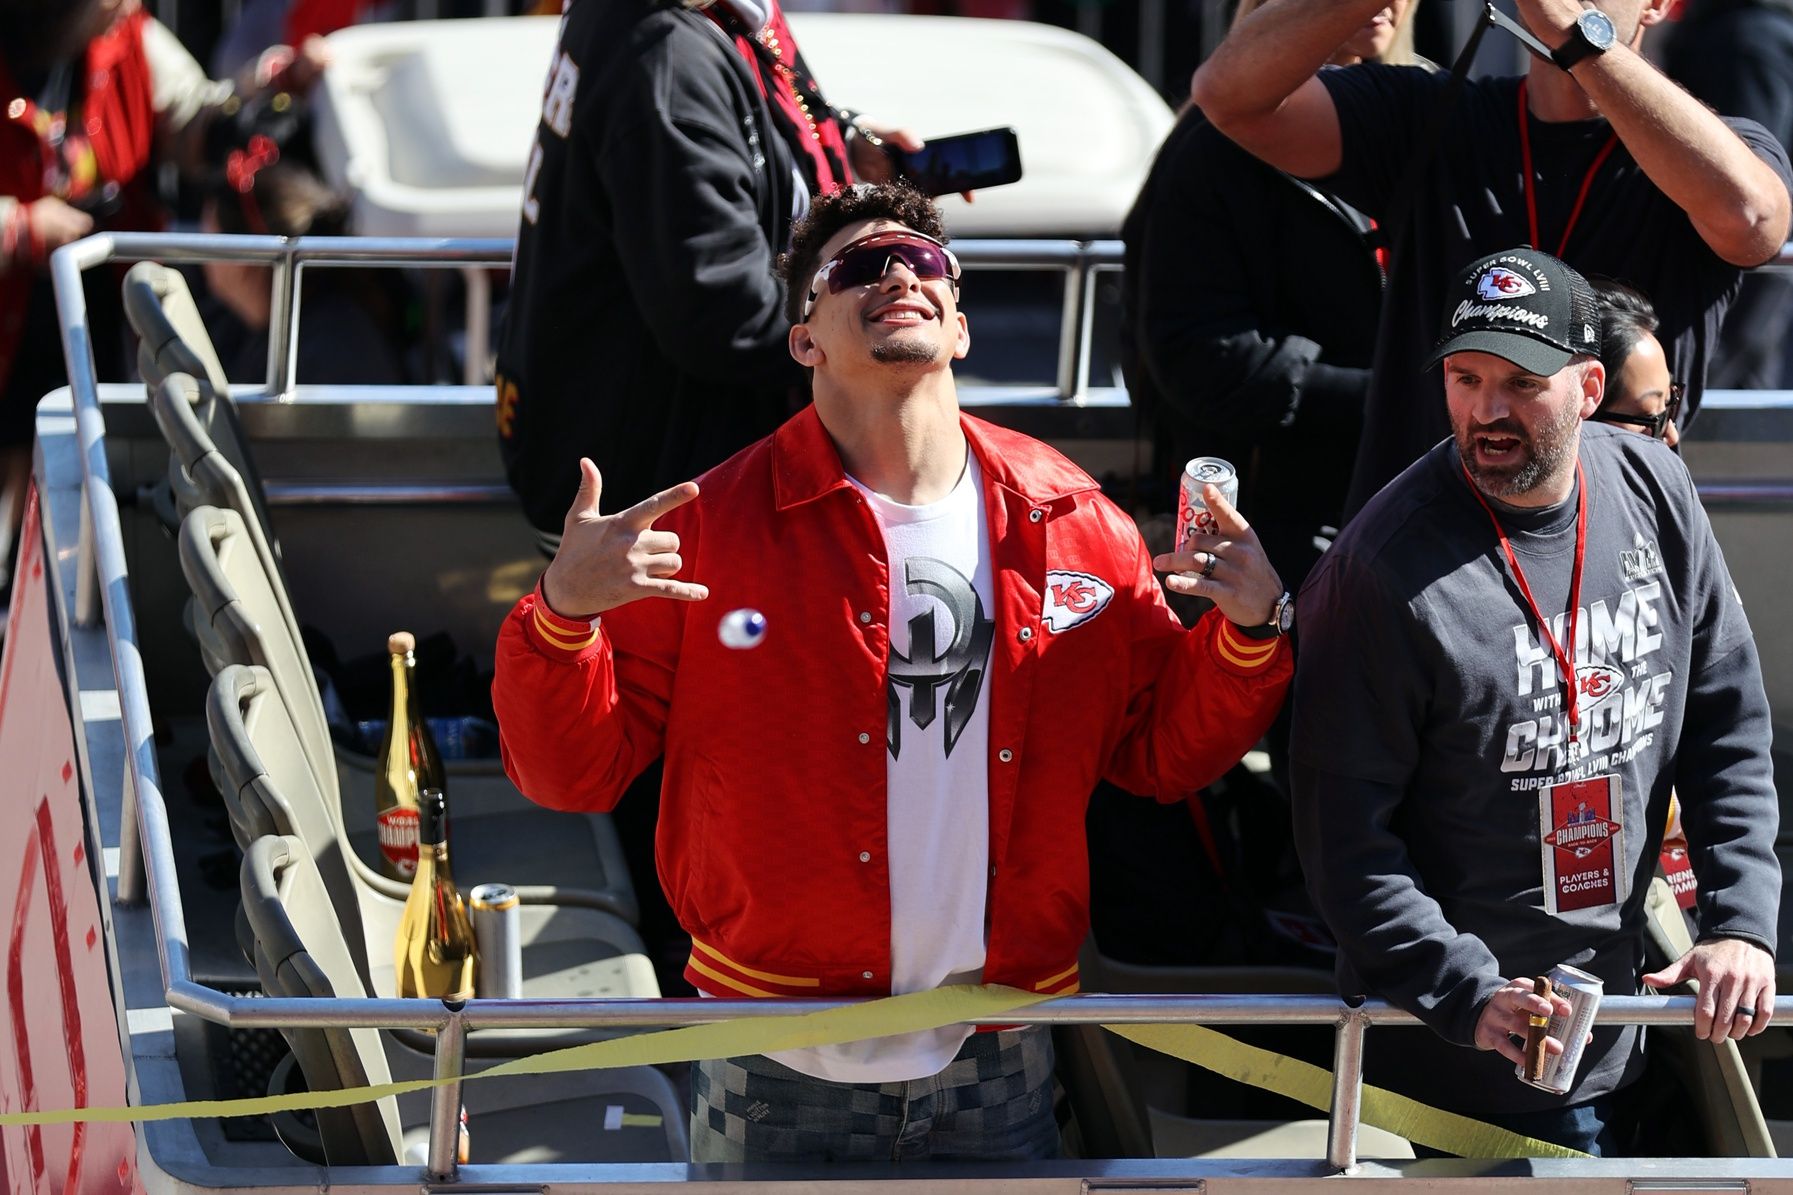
<point x="1736" y="981"/>
<point x="1229" y="569"/>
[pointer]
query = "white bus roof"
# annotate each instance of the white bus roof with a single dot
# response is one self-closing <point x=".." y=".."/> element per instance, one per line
<point x="429" y="123"/>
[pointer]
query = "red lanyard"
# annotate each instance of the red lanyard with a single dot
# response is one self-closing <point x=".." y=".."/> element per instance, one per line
<point x="1565" y="668"/>
<point x="1531" y="195"/>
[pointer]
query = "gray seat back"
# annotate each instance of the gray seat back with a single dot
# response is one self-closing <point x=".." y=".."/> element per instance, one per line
<point x="270" y="789"/>
<point x="204" y="466"/>
<point x="171" y="338"/>
<point x="241" y="616"/>
<point x="299" y="951"/>
<point x="172" y="342"/>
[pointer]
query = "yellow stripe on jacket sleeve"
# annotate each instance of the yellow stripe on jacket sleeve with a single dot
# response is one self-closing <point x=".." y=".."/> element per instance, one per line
<point x="1241" y="650"/>
<point x="553" y="634"/>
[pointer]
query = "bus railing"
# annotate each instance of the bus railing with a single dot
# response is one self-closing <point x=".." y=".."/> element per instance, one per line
<point x="146" y="870"/>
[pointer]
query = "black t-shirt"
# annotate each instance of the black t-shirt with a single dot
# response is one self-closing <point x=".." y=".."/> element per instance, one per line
<point x="1472" y="201"/>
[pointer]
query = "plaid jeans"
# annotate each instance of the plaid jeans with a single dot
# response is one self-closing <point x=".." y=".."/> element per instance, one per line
<point x="993" y="1102"/>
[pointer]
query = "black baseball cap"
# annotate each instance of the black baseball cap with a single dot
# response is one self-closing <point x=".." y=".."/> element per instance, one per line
<point x="1522" y="305"/>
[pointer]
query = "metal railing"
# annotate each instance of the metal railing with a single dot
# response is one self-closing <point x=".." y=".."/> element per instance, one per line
<point x="146" y="856"/>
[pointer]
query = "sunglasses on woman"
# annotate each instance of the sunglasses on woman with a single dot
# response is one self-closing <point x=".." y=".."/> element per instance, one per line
<point x="869" y="259"/>
<point x="1656" y="425"/>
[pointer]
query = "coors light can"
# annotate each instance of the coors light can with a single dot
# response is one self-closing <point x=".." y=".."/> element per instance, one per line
<point x="1193" y="514"/>
<point x="1582" y="991"/>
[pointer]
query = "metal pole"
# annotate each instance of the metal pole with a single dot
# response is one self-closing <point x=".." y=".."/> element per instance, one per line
<point x="445" y="1101"/>
<point x="1070" y="332"/>
<point x="146" y="865"/>
<point x="87" y="571"/>
<point x="1347" y="1091"/>
<point x="132" y="877"/>
<point x="283" y="324"/>
<point x="1086" y="331"/>
<point x="479" y="325"/>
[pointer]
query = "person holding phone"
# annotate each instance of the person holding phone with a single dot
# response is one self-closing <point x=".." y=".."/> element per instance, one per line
<point x="679" y="140"/>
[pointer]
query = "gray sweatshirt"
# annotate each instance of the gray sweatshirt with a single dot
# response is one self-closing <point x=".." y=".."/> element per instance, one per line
<point x="1430" y="726"/>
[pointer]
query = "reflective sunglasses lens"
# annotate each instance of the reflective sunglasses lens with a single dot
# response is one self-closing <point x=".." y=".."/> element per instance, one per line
<point x="865" y="264"/>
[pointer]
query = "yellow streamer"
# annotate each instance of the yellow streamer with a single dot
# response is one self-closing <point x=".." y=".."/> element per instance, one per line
<point x="1312" y="1085"/>
<point x="724" y="1039"/>
<point x="1290" y="1077"/>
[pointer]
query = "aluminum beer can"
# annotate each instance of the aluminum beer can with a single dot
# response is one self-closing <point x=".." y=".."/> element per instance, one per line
<point x="498" y="937"/>
<point x="1582" y="991"/>
<point x="1193" y="514"/>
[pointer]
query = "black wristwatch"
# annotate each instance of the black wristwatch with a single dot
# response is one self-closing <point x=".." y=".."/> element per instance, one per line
<point x="1592" y="33"/>
<point x="1282" y="620"/>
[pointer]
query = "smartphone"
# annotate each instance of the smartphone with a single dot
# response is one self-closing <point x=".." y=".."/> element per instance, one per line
<point x="966" y="162"/>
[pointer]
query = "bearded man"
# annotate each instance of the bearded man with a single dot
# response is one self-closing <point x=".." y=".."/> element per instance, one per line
<point x="1508" y="661"/>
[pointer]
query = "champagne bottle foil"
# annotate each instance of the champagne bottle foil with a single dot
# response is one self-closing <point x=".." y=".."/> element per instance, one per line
<point x="498" y="937"/>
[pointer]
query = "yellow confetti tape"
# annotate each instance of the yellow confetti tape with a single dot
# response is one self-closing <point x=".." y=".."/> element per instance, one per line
<point x="1214" y="1051"/>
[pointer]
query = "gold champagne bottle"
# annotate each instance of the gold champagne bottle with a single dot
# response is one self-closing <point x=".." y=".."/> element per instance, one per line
<point x="408" y="763"/>
<point x="433" y="949"/>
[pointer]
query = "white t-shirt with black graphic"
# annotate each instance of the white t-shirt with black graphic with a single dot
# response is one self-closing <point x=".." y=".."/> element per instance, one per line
<point x="937" y="744"/>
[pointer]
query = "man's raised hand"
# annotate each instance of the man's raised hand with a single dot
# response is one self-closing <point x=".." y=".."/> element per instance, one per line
<point x="1229" y="569"/>
<point x="606" y="561"/>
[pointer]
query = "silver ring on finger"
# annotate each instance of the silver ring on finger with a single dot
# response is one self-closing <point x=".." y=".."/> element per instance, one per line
<point x="1207" y="569"/>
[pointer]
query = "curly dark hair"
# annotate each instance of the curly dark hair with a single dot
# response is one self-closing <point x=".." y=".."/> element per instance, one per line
<point x="898" y="201"/>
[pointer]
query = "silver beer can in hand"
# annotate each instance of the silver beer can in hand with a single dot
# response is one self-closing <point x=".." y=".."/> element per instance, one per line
<point x="1583" y="992"/>
<point x="498" y="937"/>
<point x="1193" y="515"/>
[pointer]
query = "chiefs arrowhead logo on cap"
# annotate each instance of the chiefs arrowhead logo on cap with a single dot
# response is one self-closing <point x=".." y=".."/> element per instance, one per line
<point x="1500" y="283"/>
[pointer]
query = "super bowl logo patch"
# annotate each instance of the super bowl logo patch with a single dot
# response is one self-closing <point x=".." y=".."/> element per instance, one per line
<point x="1582" y="840"/>
<point x="1073" y="599"/>
<point x="1644" y="560"/>
<point x="1498" y="282"/>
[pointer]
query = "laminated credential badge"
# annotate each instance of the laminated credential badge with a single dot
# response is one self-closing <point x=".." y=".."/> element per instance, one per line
<point x="1583" y="844"/>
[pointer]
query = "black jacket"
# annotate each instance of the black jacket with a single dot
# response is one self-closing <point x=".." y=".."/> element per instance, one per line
<point x="1251" y="302"/>
<point x="644" y="326"/>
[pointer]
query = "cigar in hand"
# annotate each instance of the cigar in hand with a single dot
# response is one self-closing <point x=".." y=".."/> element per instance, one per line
<point x="1535" y="1033"/>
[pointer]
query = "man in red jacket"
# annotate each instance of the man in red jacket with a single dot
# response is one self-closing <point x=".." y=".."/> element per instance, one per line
<point x="886" y="655"/>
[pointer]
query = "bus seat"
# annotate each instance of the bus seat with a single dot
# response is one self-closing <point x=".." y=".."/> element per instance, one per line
<point x="571" y="859"/>
<point x="299" y="951"/>
<point x="567" y="951"/>
<point x="171" y="338"/>
<point x="208" y="459"/>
